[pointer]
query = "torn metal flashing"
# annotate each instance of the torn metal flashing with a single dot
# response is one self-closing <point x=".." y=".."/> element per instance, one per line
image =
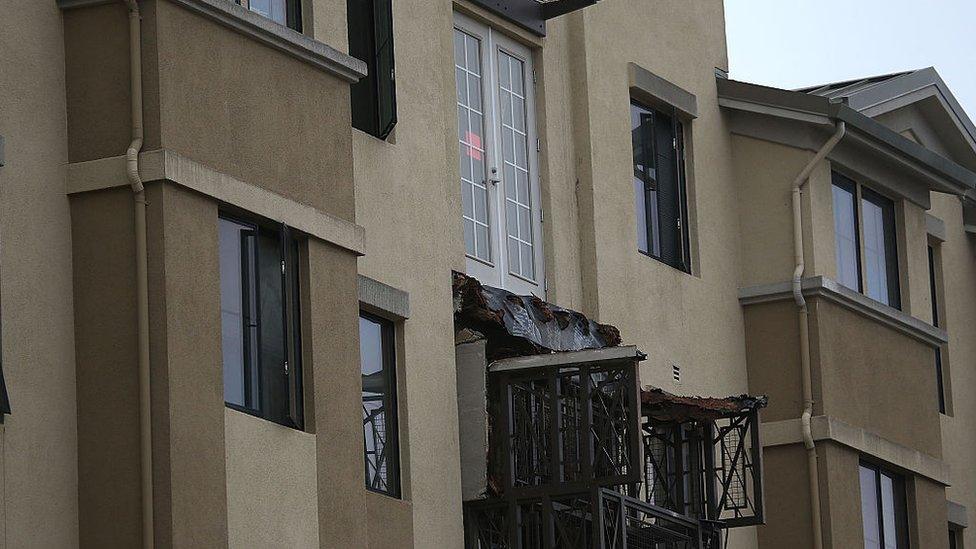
<point x="665" y="407"/>
<point x="515" y="325"/>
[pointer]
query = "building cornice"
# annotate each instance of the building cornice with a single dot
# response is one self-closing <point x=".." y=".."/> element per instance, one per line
<point x="828" y="428"/>
<point x="831" y="290"/>
<point x="264" y="30"/>
<point x="166" y="165"/>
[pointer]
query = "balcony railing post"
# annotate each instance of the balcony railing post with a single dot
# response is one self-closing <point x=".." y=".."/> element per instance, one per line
<point x="586" y="429"/>
<point x="712" y="510"/>
<point x="555" y="423"/>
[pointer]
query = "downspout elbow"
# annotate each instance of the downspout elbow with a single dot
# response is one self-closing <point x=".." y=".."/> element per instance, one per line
<point x="132" y="165"/>
<point x="806" y="426"/>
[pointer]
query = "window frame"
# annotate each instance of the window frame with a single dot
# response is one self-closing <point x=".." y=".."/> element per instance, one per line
<point x="683" y="237"/>
<point x="498" y="270"/>
<point x="388" y="342"/>
<point x="863" y="193"/>
<point x="937" y="297"/>
<point x="899" y="505"/>
<point x="293" y="13"/>
<point x="290" y="252"/>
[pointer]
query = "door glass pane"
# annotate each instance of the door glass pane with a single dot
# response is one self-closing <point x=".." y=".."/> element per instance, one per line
<point x="474" y="188"/>
<point x="845" y="237"/>
<point x="514" y="157"/>
<point x="875" y="258"/>
<point x="869" y="508"/>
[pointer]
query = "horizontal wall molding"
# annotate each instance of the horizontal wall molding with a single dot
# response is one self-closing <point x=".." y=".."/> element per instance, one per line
<point x="383" y="299"/>
<point x="828" y="428"/>
<point x="166" y="165"/>
<point x="264" y="30"/>
<point x="831" y="290"/>
<point x="648" y="86"/>
<point x="935" y="227"/>
<point x="586" y="356"/>
<point x="957" y="513"/>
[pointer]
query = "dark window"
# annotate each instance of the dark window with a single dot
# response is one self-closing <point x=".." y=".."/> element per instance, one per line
<point x="284" y="12"/>
<point x="954" y="539"/>
<point x="371" y="40"/>
<point x="883" y="509"/>
<point x="659" y="186"/>
<point x="377" y="351"/>
<point x="880" y="250"/>
<point x="260" y="321"/>
<point x="934" y="292"/>
<point x="864" y="239"/>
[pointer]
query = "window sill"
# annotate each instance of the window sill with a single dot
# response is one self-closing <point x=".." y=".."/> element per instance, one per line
<point x="264" y="30"/>
<point x="254" y="414"/>
<point x="663" y="262"/>
<point x="831" y="290"/>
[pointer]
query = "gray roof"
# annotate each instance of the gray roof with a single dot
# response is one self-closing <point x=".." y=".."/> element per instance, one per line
<point x="870" y="95"/>
<point x="819" y="109"/>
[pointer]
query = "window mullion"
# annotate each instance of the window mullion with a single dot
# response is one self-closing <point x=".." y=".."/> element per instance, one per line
<point x="862" y="268"/>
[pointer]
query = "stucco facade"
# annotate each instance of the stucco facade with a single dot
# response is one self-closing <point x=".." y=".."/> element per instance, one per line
<point x="243" y="116"/>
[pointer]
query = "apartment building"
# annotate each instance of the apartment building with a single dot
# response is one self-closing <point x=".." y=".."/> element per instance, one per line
<point x="273" y="272"/>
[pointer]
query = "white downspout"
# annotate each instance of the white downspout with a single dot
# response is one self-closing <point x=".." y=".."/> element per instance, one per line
<point x="801" y="304"/>
<point x="142" y="270"/>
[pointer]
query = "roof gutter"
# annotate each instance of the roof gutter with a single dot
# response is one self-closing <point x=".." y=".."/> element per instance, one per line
<point x="802" y="318"/>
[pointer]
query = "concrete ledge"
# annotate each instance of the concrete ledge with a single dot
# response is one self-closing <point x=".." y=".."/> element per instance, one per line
<point x="781" y="433"/>
<point x="957" y="514"/>
<point x="648" y="86"/>
<point x="831" y="290"/>
<point x="587" y="356"/>
<point x="165" y="165"/>
<point x="935" y="227"/>
<point x="266" y="31"/>
<point x="383" y="300"/>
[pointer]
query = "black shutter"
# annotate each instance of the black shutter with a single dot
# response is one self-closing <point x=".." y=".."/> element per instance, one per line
<point x="384" y="67"/>
<point x="371" y="40"/>
<point x="668" y="193"/>
<point x="293" y="372"/>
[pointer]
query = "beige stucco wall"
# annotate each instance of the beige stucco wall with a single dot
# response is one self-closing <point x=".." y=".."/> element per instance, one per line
<point x="271" y="485"/>
<point x="875" y="377"/>
<point x="958" y="436"/>
<point x="38" y="450"/>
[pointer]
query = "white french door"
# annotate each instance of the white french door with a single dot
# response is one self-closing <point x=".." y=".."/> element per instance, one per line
<point x="499" y="162"/>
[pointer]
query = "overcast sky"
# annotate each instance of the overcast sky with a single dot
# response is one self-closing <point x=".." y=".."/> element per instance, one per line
<point x="795" y="43"/>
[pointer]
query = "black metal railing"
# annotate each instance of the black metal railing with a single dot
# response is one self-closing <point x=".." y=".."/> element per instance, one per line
<point x="600" y="519"/>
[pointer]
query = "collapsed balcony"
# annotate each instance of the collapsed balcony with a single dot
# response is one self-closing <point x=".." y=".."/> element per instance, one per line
<point x="562" y="448"/>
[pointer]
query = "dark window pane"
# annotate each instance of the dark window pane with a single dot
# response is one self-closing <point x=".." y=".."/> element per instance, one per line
<point x="659" y="193"/>
<point x="845" y="234"/>
<point x="880" y="255"/>
<point x="377" y="356"/>
<point x="259" y="321"/>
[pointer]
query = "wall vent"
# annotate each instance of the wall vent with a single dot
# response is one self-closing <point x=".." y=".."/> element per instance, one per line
<point x="676" y="373"/>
